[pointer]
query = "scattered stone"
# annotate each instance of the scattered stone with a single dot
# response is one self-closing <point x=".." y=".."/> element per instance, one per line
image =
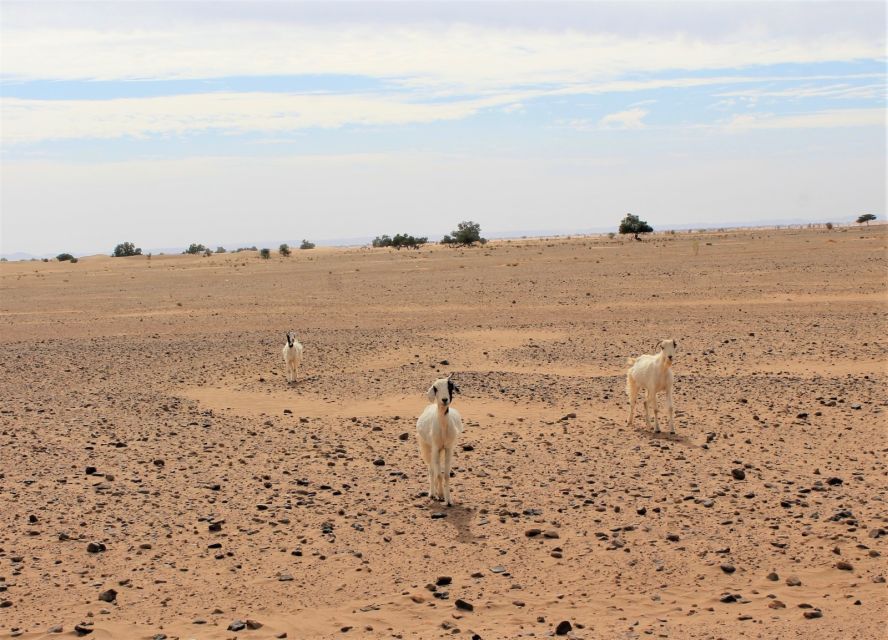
<point x="551" y="534"/>
<point x="813" y="613"/>
<point x="56" y="629"/>
<point x="834" y="481"/>
<point x="773" y="577"/>
<point x="533" y="532"/>
<point x="95" y="547"/>
<point x="82" y="629"/>
<point x="253" y="624"/>
<point x="443" y="581"/>
<point x="108" y="596"/>
<point x="727" y="598"/>
<point x="463" y="605"/>
<point x="728" y="568"/>
<point x="379" y="462"/>
<point x="844" y="566"/>
<point x="793" y="581"/>
<point x="564" y="627"/>
<point x="672" y="537"/>
<point x="776" y="604"/>
<point x="237" y="625"/>
<point x="738" y="474"/>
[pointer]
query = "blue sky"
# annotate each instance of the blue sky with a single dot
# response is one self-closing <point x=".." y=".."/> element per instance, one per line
<point x="223" y="123"/>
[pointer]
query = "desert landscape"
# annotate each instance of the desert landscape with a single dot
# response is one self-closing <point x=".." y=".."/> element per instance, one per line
<point x="160" y="479"/>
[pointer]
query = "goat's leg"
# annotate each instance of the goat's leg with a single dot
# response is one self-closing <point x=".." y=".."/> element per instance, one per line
<point x="647" y="411"/>
<point x="656" y="412"/>
<point x="669" y="406"/>
<point x="434" y="472"/>
<point x="632" y="390"/>
<point x="445" y="476"/>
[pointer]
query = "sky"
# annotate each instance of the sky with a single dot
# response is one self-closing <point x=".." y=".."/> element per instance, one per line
<point x="231" y="123"/>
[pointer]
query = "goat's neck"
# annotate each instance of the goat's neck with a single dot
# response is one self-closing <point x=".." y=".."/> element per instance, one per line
<point x="443" y="420"/>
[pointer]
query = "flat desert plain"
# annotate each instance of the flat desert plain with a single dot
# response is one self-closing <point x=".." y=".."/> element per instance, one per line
<point x="153" y="453"/>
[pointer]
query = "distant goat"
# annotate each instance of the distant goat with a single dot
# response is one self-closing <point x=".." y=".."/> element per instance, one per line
<point x="292" y="356"/>
<point x="651" y="374"/>
<point x="437" y="430"/>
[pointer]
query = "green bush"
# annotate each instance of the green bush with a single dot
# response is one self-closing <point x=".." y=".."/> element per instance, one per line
<point x="195" y="248"/>
<point x="208" y="253"/>
<point x="307" y="245"/>
<point x="62" y="257"/>
<point x="265" y="254"/>
<point x="401" y="240"/>
<point x="467" y="233"/>
<point x="284" y="250"/>
<point x="632" y="224"/>
<point x="126" y="249"/>
<point x="866" y="217"/>
<point x="220" y="249"/>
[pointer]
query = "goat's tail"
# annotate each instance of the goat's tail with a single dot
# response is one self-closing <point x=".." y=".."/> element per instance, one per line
<point x="630" y="362"/>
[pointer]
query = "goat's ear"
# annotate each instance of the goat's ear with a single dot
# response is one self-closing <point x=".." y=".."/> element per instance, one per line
<point x="432" y="392"/>
<point x="452" y="388"/>
<point x="675" y="343"/>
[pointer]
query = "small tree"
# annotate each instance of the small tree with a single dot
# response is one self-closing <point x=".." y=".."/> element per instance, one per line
<point x="220" y="249"/>
<point x="866" y="217"/>
<point x="382" y="241"/>
<point x="307" y="245"/>
<point x="467" y="233"/>
<point x="62" y="257"/>
<point x="125" y="249"/>
<point x="632" y="224"/>
<point x="265" y="254"/>
<point x="208" y="252"/>
<point x="195" y="248"/>
<point x="829" y="226"/>
<point x="284" y="250"/>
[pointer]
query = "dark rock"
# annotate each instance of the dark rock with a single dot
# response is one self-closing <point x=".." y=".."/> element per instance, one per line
<point x="237" y="625"/>
<point x="82" y="629"/>
<point x="379" y="462"/>
<point x="89" y="472"/>
<point x="108" y="596"/>
<point x="738" y="474"/>
<point x="813" y="613"/>
<point x="253" y="624"/>
<point x="533" y="532"/>
<point x="672" y="537"/>
<point x="404" y="436"/>
<point x="443" y="581"/>
<point x="728" y="598"/>
<point x="844" y="566"/>
<point x="564" y="627"/>
<point x="793" y="581"/>
<point x="728" y="568"/>
<point x="95" y="547"/>
<point x="773" y="577"/>
<point x="464" y="606"/>
<point x="834" y="481"/>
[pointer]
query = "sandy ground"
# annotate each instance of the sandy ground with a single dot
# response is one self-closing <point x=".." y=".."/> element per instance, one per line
<point x="144" y="404"/>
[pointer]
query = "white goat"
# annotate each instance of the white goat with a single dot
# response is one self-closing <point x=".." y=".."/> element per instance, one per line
<point x="437" y="430"/>
<point x="651" y="374"/>
<point x="292" y="356"/>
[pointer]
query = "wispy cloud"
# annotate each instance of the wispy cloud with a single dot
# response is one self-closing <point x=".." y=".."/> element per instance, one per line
<point x="628" y="119"/>
<point x="833" y="118"/>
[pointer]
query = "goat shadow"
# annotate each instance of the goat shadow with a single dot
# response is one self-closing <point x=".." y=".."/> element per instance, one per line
<point x="665" y="435"/>
<point x="460" y="517"/>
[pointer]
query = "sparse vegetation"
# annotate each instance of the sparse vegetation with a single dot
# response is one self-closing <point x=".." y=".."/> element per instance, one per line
<point x="126" y="249"/>
<point x="829" y="226"/>
<point x="307" y="245"/>
<point x="253" y="248"/>
<point x="208" y="252"/>
<point x="265" y="254"/>
<point x="220" y="250"/>
<point x="401" y="240"/>
<point x="634" y="225"/>
<point x="195" y="248"/>
<point x="284" y="250"/>
<point x="467" y="233"/>
<point x="63" y="257"/>
<point x="866" y="217"/>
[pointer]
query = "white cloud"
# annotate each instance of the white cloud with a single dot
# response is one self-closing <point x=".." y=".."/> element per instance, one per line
<point x="628" y="119"/>
<point x="458" y="56"/>
<point x="832" y="118"/>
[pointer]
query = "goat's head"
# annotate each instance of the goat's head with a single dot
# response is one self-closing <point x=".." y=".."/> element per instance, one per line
<point x="291" y="337"/>
<point x="441" y="392"/>
<point x="668" y="347"/>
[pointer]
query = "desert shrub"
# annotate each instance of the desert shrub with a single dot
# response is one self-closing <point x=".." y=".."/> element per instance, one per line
<point x="612" y="235"/>
<point x="62" y="257"/>
<point x="195" y="248"/>
<point x="829" y="226"/>
<point x="74" y="261"/>
<point x="382" y="241"/>
<point x="220" y="249"/>
<point x="284" y="250"/>
<point x="125" y="249"/>
<point x="265" y="254"/>
<point x="401" y="240"/>
<point x="208" y="253"/>
<point x="467" y="233"/>
<point x="307" y="245"/>
<point x="634" y="225"/>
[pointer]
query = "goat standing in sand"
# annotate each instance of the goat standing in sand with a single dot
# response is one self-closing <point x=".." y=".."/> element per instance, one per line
<point x="292" y="356"/>
<point x="437" y="430"/>
<point x="651" y="374"/>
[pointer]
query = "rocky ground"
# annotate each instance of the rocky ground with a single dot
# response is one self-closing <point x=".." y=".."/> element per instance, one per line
<point x="159" y="478"/>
